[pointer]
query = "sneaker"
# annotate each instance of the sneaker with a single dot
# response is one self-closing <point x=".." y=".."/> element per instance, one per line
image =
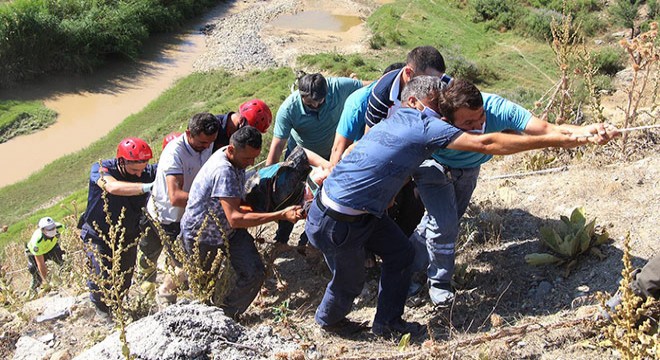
<point x="345" y="327"/>
<point x="397" y="327"/>
<point x="610" y="306"/>
<point x="441" y="297"/>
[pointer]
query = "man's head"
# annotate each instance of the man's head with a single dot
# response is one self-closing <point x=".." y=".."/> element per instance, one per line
<point x="244" y="147"/>
<point x="48" y="227"/>
<point x="422" y="93"/>
<point x="256" y="114"/>
<point x="462" y="105"/>
<point x="133" y="154"/>
<point x="394" y="66"/>
<point x="423" y="60"/>
<point x="202" y="131"/>
<point x="313" y="88"/>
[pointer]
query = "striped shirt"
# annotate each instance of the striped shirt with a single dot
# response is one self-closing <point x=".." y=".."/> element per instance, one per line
<point x="384" y="99"/>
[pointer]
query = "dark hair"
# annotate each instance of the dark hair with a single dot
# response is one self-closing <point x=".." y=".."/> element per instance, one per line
<point x="313" y="86"/>
<point x="205" y="123"/>
<point x="459" y="94"/>
<point x="423" y="88"/>
<point x="424" y="57"/>
<point x="247" y="135"/>
<point x="394" y="66"/>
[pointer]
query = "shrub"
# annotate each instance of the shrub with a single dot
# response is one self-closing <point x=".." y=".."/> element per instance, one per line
<point x="537" y="24"/>
<point x="502" y="13"/>
<point x="608" y="60"/>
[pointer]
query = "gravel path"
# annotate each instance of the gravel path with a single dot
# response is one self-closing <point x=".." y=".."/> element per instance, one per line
<point x="235" y="43"/>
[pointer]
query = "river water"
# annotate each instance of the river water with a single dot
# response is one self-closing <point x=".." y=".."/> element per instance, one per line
<point x="89" y="106"/>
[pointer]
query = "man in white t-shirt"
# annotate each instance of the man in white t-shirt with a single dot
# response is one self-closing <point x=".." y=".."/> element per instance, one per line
<point x="178" y="165"/>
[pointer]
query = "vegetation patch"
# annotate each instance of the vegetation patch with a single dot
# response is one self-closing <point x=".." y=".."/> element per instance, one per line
<point x="38" y="37"/>
<point x="20" y="118"/>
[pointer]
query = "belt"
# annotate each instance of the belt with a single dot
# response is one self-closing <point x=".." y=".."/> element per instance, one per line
<point x="337" y="215"/>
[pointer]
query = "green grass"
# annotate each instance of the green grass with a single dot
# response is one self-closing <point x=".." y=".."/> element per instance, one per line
<point x="506" y="61"/>
<point x="23" y="203"/>
<point x="20" y="118"/>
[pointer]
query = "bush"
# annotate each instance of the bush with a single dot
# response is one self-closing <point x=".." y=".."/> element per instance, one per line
<point x="38" y="37"/>
<point x="608" y="60"/>
<point x="537" y="24"/>
<point x="502" y="13"/>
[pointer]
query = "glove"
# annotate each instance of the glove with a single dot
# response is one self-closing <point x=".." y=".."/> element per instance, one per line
<point x="146" y="187"/>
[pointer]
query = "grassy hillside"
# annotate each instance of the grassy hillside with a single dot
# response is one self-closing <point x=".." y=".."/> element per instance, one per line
<point x="520" y="68"/>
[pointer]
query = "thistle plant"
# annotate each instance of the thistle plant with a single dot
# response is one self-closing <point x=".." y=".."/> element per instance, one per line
<point x="110" y="277"/>
<point x="567" y="240"/>
<point x="632" y="329"/>
<point x="644" y="53"/>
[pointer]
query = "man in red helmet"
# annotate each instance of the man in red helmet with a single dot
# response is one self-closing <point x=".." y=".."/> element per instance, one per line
<point x="252" y="112"/>
<point x="122" y="184"/>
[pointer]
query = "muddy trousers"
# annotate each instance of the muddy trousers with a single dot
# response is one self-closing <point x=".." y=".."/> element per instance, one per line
<point x="55" y="255"/>
<point x="343" y="244"/>
<point x="151" y="245"/>
<point x="246" y="263"/>
<point x="446" y="195"/>
<point x="99" y="255"/>
<point x="647" y="280"/>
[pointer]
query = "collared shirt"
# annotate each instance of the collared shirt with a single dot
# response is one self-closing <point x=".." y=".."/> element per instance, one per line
<point x="351" y="123"/>
<point x="369" y="177"/>
<point x="204" y="218"/>
<point x="501" y="114"/>
<point x="384" y="99"/>
<point x="178" y="158"/>
<point x="314" y="130"/>
<point x="132" y="204"/>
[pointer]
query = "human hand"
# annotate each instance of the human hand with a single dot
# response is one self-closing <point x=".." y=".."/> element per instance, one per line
<point x="602" y="133"/>
<point x="293" y="213"/>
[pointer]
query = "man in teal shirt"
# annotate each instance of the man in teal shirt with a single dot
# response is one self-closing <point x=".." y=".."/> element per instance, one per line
<point x="309" y="118"/>
<point x="41" y="247"/>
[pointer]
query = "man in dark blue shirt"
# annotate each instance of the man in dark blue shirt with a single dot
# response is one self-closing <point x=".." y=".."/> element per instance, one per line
<point x="123" y="184"/>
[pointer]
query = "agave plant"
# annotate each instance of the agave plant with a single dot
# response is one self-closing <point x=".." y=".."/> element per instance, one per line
<point x="570" y="238"/>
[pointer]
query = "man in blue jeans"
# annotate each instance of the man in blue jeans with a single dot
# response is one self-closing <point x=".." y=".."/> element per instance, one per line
<point x="446" y="181"/>
<point x="346" y="217"/>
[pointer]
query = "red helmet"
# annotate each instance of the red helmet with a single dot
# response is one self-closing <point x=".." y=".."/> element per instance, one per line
<point x="134" y="149"/>
<point x="257" y="114"/>
<point x="169" y="137"/>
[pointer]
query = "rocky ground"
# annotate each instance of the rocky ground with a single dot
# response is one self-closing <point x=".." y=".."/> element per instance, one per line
<point x="504" y="308"/>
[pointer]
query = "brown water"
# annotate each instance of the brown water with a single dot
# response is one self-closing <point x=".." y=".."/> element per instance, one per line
<point x="317" y="20"/>
<point x="92" y="105"/>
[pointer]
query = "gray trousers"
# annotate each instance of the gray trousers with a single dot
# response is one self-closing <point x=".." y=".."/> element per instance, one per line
<point x="246" y="263"/>
<point x="647" y="280"/>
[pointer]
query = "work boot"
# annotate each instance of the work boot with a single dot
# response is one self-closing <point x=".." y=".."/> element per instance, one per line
<point x="397" y="327"/>
<point x="345" y="327"/>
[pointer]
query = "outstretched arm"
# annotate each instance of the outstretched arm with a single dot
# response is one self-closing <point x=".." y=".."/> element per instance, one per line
<point x="603" y="133"/>
<point x="340" y="145"/>
<point x="122" y="188"/>
<point x="505" y="144"/>
<point x="240" y="219"/>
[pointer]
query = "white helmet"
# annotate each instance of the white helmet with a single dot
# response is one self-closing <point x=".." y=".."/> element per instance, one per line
<point x="47" y="223"/>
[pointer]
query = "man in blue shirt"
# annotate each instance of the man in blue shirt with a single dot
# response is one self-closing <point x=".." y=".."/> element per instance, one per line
<point x="124" y="184"/>
<point x="309" y="117"/>
<point x="346" y="217"/>
<point x="446" y="181"/>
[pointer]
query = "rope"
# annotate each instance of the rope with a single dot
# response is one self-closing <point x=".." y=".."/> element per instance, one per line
<point x="646" y="127"/>
<point x="545" y="171"/>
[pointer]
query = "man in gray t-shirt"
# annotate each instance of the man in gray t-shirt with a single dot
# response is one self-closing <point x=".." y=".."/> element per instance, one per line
<point x="213" y="220"/>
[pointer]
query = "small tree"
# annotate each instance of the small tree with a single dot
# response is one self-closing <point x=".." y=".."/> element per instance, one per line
<point x="626" y="12"/>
